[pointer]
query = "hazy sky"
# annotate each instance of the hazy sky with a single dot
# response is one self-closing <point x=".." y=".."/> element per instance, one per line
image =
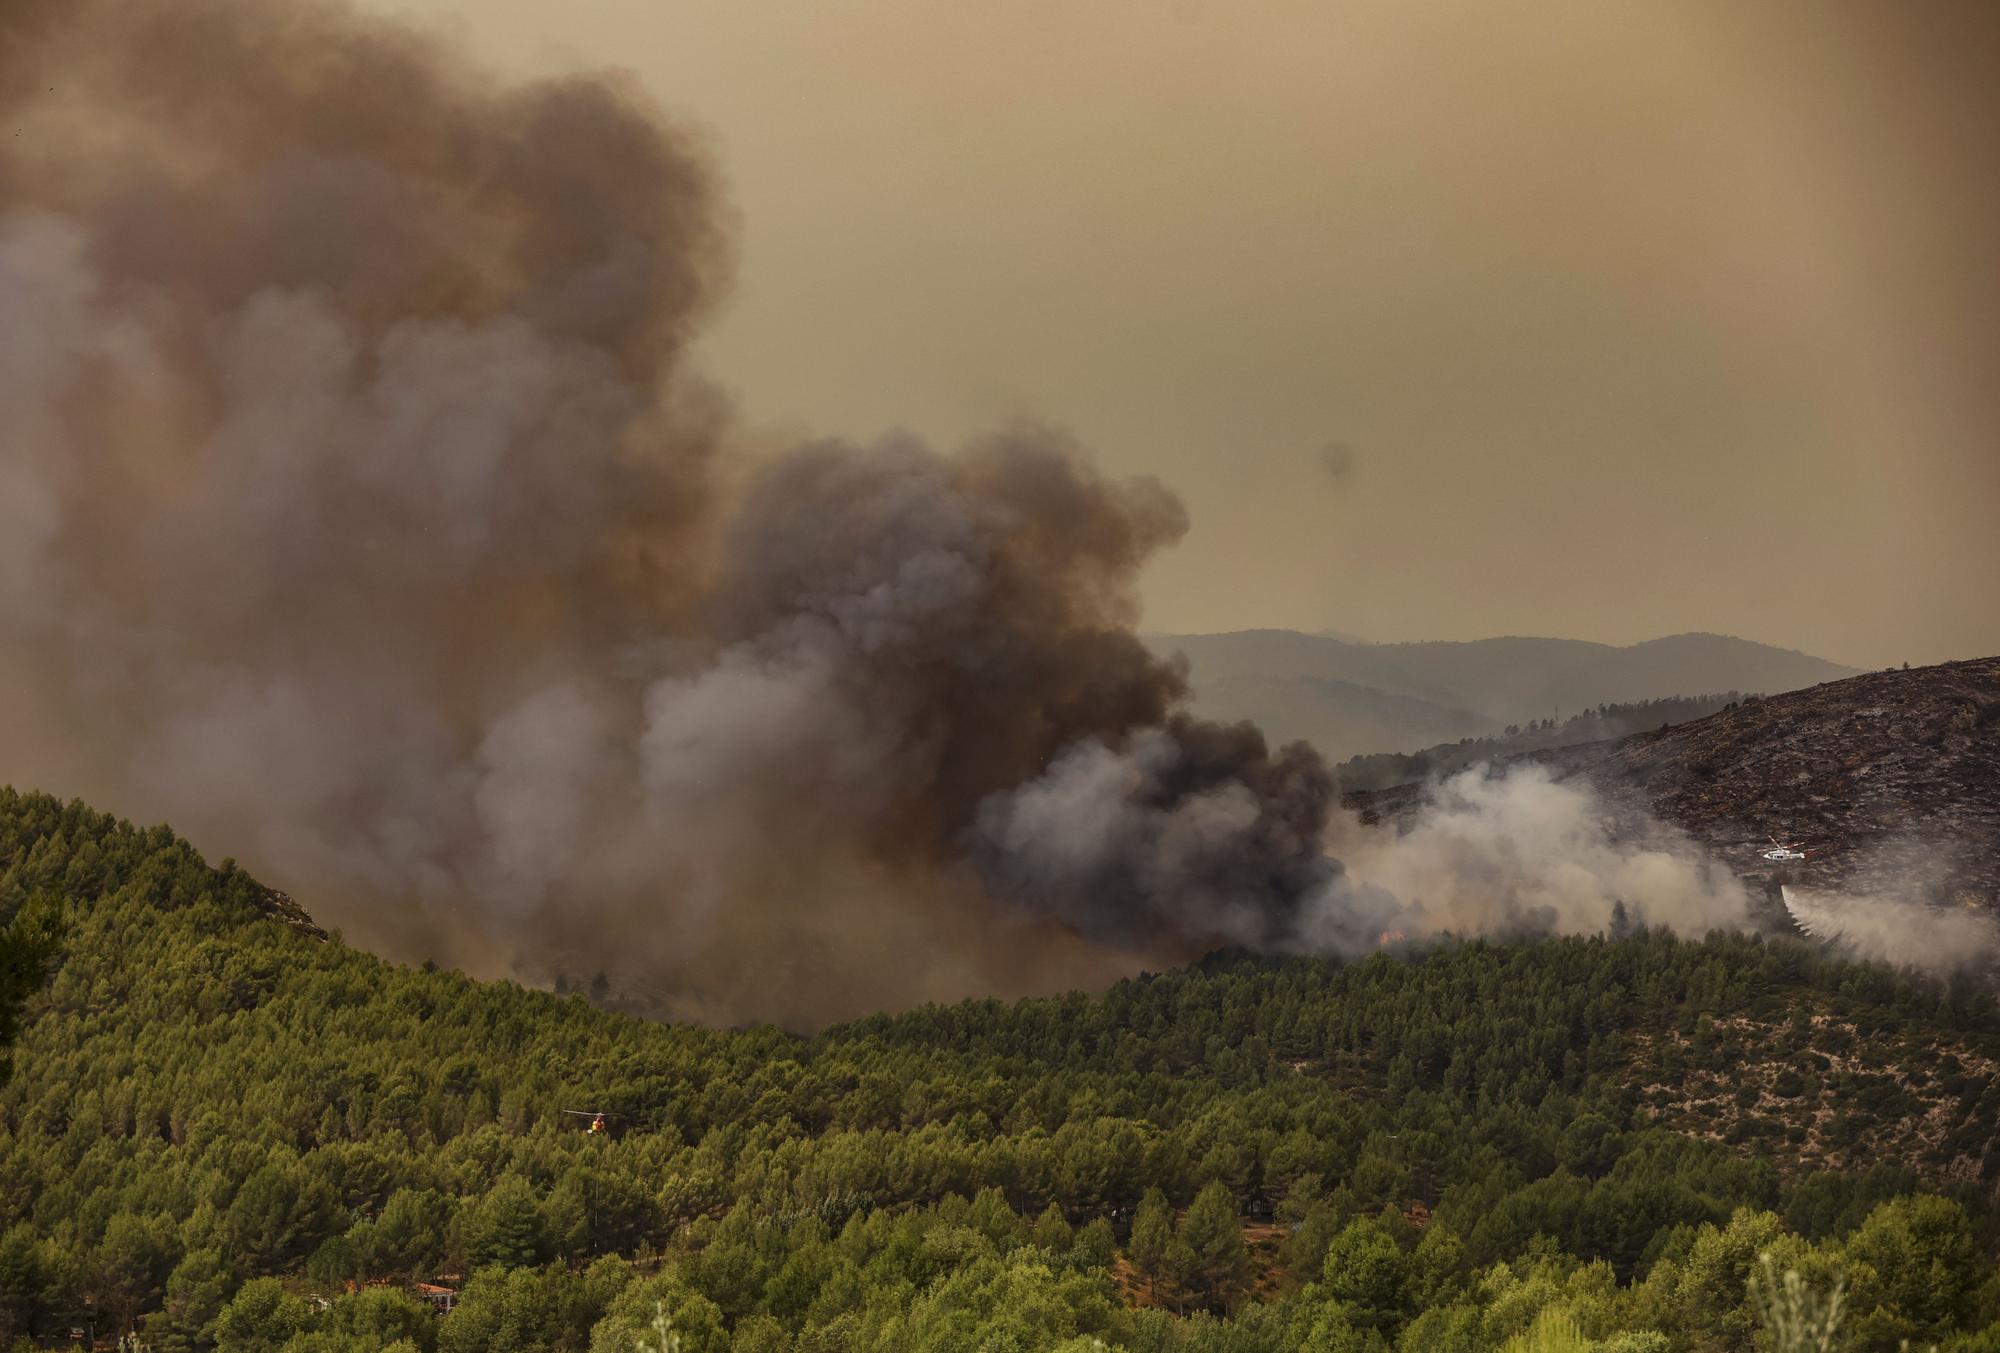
<point x="1447" y="320"/>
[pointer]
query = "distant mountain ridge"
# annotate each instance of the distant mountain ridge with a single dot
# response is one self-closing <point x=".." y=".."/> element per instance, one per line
<point x="1595" y="723"/>
<point x="1350" y="697"/>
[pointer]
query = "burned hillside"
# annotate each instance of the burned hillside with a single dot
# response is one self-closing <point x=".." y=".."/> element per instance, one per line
<point x="1888" y="782"/>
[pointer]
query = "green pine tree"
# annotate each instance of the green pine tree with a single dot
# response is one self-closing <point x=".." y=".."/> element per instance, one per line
<point x="1214" y="1236"/>
<point x="1152" y="1231"/>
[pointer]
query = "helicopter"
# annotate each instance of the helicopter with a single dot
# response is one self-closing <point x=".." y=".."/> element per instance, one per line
<point x="1782" y="852"/>
<point x="600" y="1119"/>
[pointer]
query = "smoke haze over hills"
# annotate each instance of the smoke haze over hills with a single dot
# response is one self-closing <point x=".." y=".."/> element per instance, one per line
<point x="362" y="515"/>
<point x="1632" y="320"/>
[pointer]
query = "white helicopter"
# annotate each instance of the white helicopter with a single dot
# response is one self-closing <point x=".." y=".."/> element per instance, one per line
<point x="1782" y="852"/>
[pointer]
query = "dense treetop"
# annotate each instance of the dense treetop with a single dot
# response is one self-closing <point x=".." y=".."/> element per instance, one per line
<point x="215" y="1118"/>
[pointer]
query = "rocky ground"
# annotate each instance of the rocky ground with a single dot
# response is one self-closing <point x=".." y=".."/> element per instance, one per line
<point x="282" y="907"/>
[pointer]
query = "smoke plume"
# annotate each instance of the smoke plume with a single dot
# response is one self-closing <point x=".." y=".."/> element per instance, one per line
<point x="359" y="514"/>
<point x="1517" y="852"/>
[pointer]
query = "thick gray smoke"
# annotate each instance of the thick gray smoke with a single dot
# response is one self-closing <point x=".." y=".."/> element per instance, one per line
<point x="358" y="516"/>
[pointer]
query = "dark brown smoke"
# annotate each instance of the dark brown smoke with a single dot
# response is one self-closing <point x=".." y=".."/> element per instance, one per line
<point x="359" y="515"/>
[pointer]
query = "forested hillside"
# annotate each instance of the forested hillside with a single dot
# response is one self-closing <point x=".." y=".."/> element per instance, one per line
<point x="218" y="1123"/>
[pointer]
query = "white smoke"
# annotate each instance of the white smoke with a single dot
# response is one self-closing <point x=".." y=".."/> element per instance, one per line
<point x="1516" y="852"/>
<point x="1895" y="930"/>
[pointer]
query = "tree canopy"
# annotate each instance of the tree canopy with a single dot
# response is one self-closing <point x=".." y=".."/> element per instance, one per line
<point x="225" y="1132"/>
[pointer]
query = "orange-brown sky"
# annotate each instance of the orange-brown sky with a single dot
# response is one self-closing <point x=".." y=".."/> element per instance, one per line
<point x="1627" y="319"/>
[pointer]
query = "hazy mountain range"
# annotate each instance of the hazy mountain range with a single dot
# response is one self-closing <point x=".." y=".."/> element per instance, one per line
<point x="1348" y="697"/>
